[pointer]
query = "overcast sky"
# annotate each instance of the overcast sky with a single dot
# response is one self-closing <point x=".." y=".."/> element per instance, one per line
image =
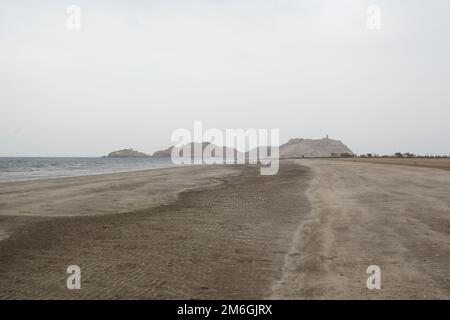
<point x="137" y="70"/>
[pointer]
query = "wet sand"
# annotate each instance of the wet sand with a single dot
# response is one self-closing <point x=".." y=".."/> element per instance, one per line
<point x="309" y="232"/>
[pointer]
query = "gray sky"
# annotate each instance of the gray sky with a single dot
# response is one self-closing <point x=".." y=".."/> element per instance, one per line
<point x="137" y="70"/>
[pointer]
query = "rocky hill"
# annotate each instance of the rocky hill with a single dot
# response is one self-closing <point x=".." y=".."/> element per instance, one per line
<point x="294" y="148"/>
<point x="195" y="148"/>
<point x="313" y="148"/>
<point x="127" y="153"/>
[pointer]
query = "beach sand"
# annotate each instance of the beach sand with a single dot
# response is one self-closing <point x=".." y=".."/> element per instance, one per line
<point x="223" y="232"/>
<point x="226" y="239"/>
<point x="395" y="217"/>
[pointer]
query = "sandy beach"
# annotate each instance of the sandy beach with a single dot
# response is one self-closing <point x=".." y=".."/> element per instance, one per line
<point x="393" y="216"/>
<point x="223" y="232"/>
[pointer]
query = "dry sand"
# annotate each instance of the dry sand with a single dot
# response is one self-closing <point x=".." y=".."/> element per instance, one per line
<point x="438" y="163"/>
<point x="227" y="232"/>
<point x="396" y="217"/>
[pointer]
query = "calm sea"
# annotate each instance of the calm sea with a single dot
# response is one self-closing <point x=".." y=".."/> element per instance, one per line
<point x="15" y="169"/>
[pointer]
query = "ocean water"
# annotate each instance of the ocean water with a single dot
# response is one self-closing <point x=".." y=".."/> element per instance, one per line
<point x="16" y="169"/>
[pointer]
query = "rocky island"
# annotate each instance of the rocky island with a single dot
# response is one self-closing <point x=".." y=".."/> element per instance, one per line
<point x="127" y="153"/>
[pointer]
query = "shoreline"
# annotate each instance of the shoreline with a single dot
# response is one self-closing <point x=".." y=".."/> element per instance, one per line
<point x="140" y="189"/>
<point x="101" y="194"/>
<point x="90" y="174"/>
